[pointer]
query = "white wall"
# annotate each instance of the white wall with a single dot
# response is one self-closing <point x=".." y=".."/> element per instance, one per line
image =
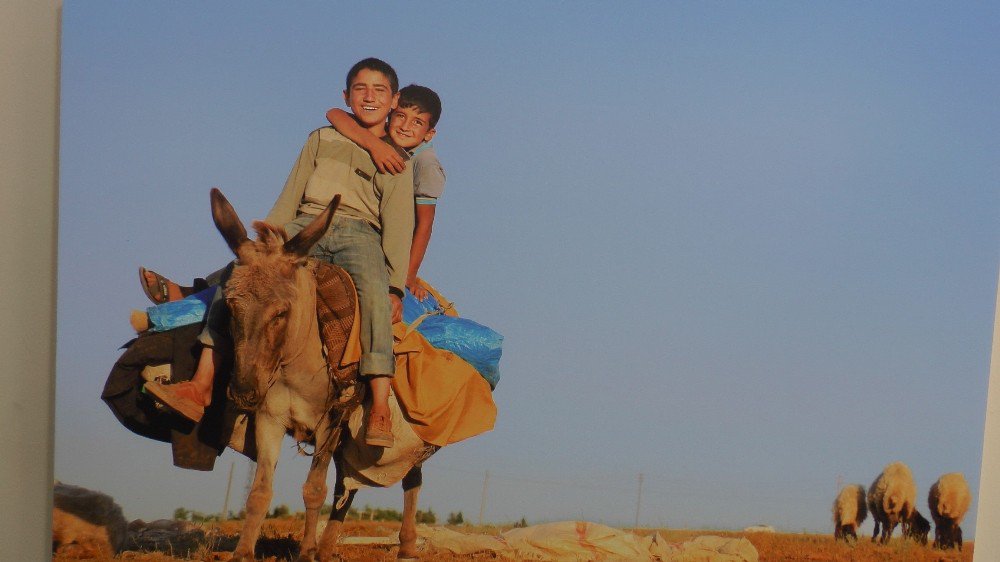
<point x="29" y="88"/>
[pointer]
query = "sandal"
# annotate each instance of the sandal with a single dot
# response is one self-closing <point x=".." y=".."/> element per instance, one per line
<point x="162" y="287"/>
<point x="159" y="292"/>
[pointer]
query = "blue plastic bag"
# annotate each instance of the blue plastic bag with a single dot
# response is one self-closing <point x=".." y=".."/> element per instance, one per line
<point x="480" y="346"/>
<point x="174" y="314"/>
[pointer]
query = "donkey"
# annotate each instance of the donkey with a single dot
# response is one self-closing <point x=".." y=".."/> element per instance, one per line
<point x="280" y="374"/>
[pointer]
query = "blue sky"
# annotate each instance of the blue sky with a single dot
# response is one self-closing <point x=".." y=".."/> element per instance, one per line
<point x="747" y="250"/>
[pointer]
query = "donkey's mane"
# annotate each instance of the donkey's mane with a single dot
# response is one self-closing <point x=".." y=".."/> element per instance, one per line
<point x="269" y="234"/>
<point x="264" y="262"/>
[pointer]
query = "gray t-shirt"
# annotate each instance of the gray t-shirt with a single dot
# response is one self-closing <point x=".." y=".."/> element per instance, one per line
<point x="428" y="175"/>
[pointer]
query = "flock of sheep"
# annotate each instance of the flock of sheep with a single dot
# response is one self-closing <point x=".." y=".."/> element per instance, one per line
<point x="892" y="500"/>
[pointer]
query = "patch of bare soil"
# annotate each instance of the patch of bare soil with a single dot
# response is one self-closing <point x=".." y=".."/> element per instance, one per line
<point x="279" y="542"/>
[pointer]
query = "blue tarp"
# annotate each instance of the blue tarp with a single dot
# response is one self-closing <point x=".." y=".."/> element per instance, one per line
<point x="477" y="344"/>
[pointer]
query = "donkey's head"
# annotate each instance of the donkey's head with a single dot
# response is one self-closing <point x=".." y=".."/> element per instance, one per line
<point x="271" y="295"/>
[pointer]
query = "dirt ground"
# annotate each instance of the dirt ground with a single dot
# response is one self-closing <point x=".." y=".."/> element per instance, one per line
<point x="279" y="543"/>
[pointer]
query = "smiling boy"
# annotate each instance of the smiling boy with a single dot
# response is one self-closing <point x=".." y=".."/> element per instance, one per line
<point x="371" y="233"/>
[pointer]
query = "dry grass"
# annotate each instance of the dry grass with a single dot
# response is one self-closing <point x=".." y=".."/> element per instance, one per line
<point x="279" y="543"/>
<point x="779" y="547"/>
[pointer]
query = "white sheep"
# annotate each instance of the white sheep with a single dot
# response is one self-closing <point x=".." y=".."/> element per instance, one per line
<point x="949" y="500"/>
<point x="849" y="511"/>
<point x="892" y="498"/>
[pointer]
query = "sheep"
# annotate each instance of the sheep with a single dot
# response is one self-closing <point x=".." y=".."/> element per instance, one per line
<point x="918" y="528"/>
<point x="892" y="498"/>
<point x="949" y="500"/>
<point x="849" y="511"/>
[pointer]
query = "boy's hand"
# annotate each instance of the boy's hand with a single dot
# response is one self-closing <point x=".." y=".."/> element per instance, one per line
<point x="386" y="159"/>
<point x="397" y="307"/>
<point x="417" y="290"/>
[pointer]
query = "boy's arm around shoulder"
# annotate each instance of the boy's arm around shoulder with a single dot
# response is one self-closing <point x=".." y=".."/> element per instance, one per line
<point x="287" y="204"/>
<point x="385" y="158"/>
<point x="396" y="214"/>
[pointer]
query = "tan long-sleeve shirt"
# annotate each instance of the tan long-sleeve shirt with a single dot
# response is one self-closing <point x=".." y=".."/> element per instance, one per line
<point x="331" y="164"/>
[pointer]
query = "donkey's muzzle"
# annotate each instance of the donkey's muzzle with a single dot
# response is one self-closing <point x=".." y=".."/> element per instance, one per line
<point x="246" y="398"/>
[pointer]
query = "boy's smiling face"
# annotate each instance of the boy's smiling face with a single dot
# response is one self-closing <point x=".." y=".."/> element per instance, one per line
<point x="409" y="126"/>
<point x="370" y="98"/>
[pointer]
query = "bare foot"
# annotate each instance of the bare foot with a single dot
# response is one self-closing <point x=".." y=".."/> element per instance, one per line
<point x="139" y="320"/>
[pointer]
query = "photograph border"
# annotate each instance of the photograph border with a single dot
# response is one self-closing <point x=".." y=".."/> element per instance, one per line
<point x="30" y="86"/>
<point x="29" y="160"/>
<point x="987" y="538"/>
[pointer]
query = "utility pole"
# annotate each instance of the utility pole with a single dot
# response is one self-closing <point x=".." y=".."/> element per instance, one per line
<point x="638" y="503"/>
<point x="229" y="485"/>
<point x="482" y="503"/>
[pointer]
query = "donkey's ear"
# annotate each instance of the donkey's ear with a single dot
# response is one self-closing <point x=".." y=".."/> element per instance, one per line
<point x="301" y="243"/>
<point x="227" y="222"/>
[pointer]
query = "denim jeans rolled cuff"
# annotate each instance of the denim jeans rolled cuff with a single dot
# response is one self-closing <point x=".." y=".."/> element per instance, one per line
<point x="209" y="337"/>
<point x="356" y="246"/>
<point x="377" y="365"/>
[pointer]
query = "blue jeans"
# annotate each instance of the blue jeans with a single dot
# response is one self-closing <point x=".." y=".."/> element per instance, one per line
<point x="356" y="246"/>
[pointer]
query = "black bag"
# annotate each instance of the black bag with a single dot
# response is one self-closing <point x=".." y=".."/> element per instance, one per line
<point x="195" y="446"/>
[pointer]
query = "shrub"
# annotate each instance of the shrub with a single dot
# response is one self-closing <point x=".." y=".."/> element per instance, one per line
<point x="426" y="516"/>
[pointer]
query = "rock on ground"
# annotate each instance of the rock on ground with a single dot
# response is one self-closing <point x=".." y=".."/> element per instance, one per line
<point x="86" y="523"/>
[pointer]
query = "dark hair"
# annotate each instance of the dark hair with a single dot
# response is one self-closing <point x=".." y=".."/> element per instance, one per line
<point x="378" y="65"/>
<point x="423" y="98"/>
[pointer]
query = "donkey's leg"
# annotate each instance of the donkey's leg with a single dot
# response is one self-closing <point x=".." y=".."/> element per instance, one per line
<point x="313" y="494"/>
<point x="408" y="530"/>
<point x="328" y="542"/>
<point x="269" y="436"/>
<point x="314" y="489"/>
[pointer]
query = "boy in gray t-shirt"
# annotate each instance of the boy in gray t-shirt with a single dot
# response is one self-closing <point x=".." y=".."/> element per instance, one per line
<point x="411" y="126"/>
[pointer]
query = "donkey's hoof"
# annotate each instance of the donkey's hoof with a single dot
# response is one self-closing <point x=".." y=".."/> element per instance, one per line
<point x="407" y="556"/>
